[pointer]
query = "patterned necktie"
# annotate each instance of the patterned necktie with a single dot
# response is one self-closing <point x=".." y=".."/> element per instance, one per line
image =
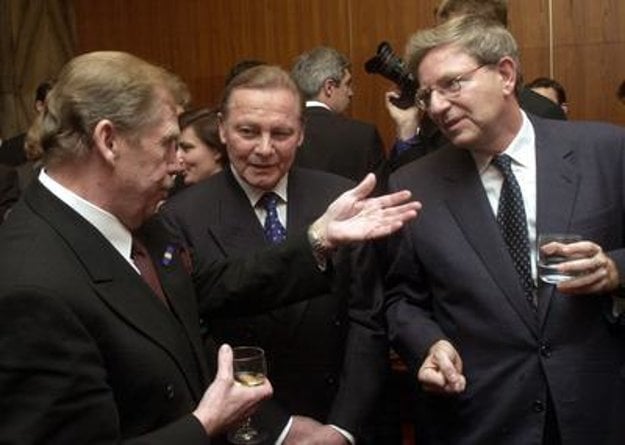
<point x="513" y="225"/>
<point x="274" y="230"/>
<point x="141" y="257"/>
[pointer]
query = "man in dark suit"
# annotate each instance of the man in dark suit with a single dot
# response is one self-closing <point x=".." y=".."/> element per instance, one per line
<point x="502" y="357"/>
<point x="99" y="327"/>
<point x="333" y="142"/>
<point x="327" y="356"/>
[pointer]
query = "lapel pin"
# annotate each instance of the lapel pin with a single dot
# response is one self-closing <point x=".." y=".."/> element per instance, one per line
<point x="168" y="256"/>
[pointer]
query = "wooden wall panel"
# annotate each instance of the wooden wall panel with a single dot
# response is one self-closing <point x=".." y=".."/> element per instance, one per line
<point x="529" y="23"/>
<point x="589" y="56"/>
<point x="201" y="39"/>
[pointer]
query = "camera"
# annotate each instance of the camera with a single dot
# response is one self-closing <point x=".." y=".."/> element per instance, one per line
<point x="390" y="66"/>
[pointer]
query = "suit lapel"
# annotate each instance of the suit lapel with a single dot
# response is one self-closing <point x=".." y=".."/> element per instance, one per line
<point x="557" y="185"/>
<point x="469" y="205"/>
<point x="176" y="284"/>
<point x="234" y="226"/>
<point x="113" y="279"/>
<point x="301" y="211"/>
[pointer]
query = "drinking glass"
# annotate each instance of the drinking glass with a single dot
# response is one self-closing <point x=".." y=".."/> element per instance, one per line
<point x="250" y="369"/>
<point x="547" y="264"/>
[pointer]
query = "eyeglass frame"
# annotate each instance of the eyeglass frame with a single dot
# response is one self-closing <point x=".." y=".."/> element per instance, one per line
<point x="452" y="88"/>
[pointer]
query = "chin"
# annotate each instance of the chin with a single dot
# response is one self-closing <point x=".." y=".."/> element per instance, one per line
<point x="263" y="183"/>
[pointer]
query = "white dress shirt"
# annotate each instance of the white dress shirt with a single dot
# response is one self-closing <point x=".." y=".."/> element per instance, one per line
<point x="522" y="150"/>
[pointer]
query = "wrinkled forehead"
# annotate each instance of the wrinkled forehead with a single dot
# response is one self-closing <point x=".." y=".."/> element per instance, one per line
<point x="280" y="100"/>
<point x="443" y="61"/>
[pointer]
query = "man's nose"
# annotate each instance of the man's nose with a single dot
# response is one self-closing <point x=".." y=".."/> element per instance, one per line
<point x="438" y="103"/>
<point x="265" y="145"/>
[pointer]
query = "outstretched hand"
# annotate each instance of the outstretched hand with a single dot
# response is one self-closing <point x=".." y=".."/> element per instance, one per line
<point x="354" y="217"/>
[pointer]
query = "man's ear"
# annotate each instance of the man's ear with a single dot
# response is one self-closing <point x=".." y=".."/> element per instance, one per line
<point x="221" y="125"/>
<point x="328" y="87"/>
<point x="507" y="69"/>
<point x="106" y="141"/>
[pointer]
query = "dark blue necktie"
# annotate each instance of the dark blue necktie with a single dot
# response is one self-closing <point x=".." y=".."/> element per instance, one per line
<point x="274" y="230"/>
<point x="513" y="225"/>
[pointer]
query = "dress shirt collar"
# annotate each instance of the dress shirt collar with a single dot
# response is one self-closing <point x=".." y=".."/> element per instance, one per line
<point x="517" y="149"/>
<point x="316" y="103"/>
<point x="254" y="194"/>
<point x="110" y="227"/>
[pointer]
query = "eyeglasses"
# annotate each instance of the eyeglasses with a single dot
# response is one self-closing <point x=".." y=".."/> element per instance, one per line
<point x="447" y="88"/>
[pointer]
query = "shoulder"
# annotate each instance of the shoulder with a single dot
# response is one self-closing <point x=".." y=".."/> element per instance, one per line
<point x="576" y="132"/>
<point x="210" y="189"/>
<point x="321" y="180"/>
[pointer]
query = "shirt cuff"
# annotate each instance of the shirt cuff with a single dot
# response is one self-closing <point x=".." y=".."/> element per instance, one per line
<point x="347" y="435"/>
<point x="401" y="146"/>
<point x="284" y="432"/>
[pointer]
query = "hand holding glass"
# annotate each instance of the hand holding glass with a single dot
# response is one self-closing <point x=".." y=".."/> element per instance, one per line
<point x="548" y="263"/>
<point x="250" y="369"/>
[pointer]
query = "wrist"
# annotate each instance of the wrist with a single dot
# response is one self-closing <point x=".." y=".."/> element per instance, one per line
<point x="318" y="239"/>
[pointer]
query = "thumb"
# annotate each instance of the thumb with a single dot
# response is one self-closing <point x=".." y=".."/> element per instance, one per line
<point x="224" y="363"/>
<point x="365" y="187"/>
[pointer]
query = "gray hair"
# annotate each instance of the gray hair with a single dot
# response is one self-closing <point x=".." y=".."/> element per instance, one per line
<point x="487" y="41"/>
<point x="101" y="85"/>
<point x="313" y="68"/>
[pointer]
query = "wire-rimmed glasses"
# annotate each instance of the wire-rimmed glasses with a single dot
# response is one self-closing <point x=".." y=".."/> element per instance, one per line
<point x="446" y="88"/>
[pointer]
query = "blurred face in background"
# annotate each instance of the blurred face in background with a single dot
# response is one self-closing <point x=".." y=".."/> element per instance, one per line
<point x="197" y="159"/>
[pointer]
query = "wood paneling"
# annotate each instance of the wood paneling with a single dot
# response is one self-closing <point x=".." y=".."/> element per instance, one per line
<point x="202" y="39"/>
<point x="589" y="56"/>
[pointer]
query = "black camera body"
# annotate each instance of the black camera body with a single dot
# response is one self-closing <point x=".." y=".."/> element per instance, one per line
<point x="390" y="66"/>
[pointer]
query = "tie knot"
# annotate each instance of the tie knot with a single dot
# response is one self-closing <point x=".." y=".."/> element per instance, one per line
<point x="269" y="201"/>
<point x="503" y="163"/>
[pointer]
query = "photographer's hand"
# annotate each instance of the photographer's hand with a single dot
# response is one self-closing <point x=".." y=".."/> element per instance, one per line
<point x="406" y="120"/>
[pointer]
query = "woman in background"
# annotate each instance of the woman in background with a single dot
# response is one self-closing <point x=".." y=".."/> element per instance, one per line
<point x="200" y="151"/>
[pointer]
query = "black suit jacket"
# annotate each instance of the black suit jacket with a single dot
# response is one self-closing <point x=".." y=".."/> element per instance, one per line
<point x="452" y="278"/>
<point x="327" y="356"/>
<point x="9" y="190"/>
<point x="339" y="145"/>
<point x="88" y="353"/>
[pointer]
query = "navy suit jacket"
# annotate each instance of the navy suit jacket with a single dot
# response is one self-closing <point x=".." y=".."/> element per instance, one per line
<point x="327" y="356"/>
<point x="88" y="353"/>
<point x="339" y="145"/>
<point x="452" y="278"/>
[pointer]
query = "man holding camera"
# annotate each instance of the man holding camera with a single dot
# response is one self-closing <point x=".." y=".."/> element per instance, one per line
<point x="332" y="142"/>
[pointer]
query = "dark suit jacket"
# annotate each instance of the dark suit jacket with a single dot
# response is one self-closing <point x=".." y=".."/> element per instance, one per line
<point x="12" y="151"/>
<point x="327" y="356"/>
<point x="452" y="278"/>
<point x="88" y="353"/>
<point x="339" y="145"/>
<point x="9" y="190"/>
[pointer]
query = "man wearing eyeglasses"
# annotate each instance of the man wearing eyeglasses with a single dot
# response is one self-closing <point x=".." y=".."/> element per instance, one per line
<point x="501" y="357"/>
<point x="417" y="136"/>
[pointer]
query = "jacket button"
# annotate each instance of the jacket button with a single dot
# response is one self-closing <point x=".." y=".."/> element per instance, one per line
<point x="330" y="380"/>
<point x="545" y="349"/>
<point x="538" y="406"/>
<point x="169" y="391"/>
